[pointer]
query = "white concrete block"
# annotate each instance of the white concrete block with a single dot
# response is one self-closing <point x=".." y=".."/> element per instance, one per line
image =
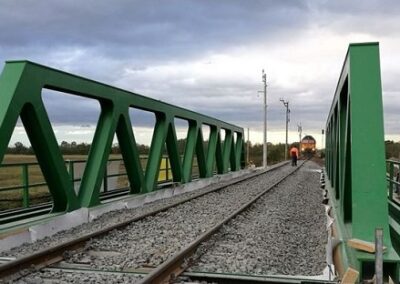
<point x="15" y="240"/>
<point x="97" y="211"/>
<point x="135" y="201"/>
<point x="59" y="223"/>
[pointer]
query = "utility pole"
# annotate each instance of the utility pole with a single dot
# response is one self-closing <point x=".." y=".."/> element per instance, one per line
<point x="264" y="79"/>
<point x="248" y="146"/>
<point x="286" y="105"/>
<point x="300" y="130"/>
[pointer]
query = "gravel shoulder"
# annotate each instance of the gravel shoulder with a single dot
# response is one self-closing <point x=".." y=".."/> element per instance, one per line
<point x="284" y="232"/>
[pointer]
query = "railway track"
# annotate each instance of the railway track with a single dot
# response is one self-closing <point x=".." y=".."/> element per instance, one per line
<point x="89" y="254"/>
<point x="281" y="234"/>
<point x="189" y="256"/>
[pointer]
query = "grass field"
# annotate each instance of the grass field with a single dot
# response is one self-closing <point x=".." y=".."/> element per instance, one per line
<point x="11" y="176"/>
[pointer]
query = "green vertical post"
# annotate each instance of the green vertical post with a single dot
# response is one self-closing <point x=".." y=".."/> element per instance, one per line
<point x="156" y="152"/>
<point x="96" y="165"/>
<point x="391" y="174"/>
<point x="25" y="185"/>
<point x="227" y="149"/>
<point x="190" y="148"/>
<point x="219" y="154"/>
<point x="239" y="152"/>
<point x="166" y="169"/>
<point x="130" y="154"/>
<point x="201" y="158"/>
<point x="211" y="151"/>
<point x="232" y="156"/>
<point x="71" y="172"/>
<point x="174" y="158"/>
<point x="105" y="179"/>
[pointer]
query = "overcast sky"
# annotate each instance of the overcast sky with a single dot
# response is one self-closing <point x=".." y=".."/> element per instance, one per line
<point x="206" y="56"/>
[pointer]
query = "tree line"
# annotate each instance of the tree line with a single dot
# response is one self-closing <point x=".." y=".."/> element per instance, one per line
<point x="275" y="151"/>
<point x="72" y="148"/>
<point x="392" y="149"/>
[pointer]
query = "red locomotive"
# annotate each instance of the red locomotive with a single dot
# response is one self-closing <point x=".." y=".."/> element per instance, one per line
<point x="308" y="145"/>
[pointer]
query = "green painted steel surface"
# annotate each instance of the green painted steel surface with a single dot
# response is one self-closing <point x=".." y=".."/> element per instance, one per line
<point x="355" y="156"/>
<point x="21" y="84"/>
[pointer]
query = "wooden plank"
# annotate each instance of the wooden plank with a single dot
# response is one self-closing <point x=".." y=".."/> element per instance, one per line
<point x="337" y="254"/>
<point x="362" y="245"/>
<point x="351" y="276"/>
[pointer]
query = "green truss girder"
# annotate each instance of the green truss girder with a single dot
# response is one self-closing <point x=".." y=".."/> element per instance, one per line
<point x="21" y="85"/>
<point x="355" y="155"/>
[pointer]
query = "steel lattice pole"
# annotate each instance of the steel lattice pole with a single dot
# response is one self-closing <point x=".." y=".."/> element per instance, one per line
<point x="264" y="78"/>
<point x="286" y="104"/>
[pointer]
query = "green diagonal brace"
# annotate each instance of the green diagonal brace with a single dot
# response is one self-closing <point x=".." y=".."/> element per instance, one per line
<point x="130" y="154"/>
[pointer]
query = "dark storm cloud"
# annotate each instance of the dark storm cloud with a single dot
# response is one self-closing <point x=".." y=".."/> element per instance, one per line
<point x="69" y="109"/>
<point x="144" y="30"/>
<point x="99" y="39"/>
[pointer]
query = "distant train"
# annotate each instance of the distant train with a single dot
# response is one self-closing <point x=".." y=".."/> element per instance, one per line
<point x="308" y="144"/>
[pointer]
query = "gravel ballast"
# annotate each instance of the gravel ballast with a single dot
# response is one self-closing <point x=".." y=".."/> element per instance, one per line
<point x="151" y="241"/>
<point x="284" y="232"/>
<point x="105" y="220"/>
<point x="76" y="277"/>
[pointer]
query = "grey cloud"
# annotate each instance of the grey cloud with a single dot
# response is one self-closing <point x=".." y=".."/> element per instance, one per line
<point x="146" y="30"/>
<point x="356" y="7"/>
<point x="373" y="17"/>
<point x="70" y="109"/>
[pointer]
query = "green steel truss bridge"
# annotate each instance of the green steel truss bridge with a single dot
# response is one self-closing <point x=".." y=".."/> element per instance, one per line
<point x="360" y="182"/>
<point x="21" y="85"/>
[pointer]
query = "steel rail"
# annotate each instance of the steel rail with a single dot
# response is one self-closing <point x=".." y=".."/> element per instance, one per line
<point x="54" y="254"/>
<point x="175" y="265"/>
